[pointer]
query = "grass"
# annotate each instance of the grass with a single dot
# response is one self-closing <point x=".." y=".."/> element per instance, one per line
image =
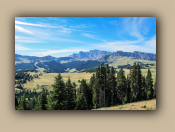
<point x="142" y="105"/>
<point x="128" y="60"/>
<point x="73" y="70"/>
<point x="47" y="79"/>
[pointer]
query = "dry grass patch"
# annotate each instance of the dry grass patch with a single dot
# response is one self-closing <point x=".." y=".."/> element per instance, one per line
<point x="49" y="78"/>
<point x="143" y="105"/>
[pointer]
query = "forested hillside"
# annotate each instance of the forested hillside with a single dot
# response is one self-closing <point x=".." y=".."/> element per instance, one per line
<point x="104" y="89"/>
<point x="84" y="60"/>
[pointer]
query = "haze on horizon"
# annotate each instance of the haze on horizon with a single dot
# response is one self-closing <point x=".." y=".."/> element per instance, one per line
<point x="63" y="36"/>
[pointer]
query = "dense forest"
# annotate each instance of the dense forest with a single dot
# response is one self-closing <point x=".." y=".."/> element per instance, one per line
<point x="104" y="90"/>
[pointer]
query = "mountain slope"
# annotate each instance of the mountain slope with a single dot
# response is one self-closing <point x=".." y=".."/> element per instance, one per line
<point x="52" y="66"/>
<point x="93" y="58"/>
<point x="88" y="64"/>
<point x="137" y="54"/>
<point x="92" y="54"/>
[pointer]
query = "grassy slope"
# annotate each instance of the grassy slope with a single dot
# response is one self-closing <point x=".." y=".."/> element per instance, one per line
<point x="128" y="60"/>
<point x="142" y="105"/>
<point x="47" y="79"/>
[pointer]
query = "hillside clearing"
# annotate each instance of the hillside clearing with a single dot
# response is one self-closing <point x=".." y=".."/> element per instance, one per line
<point x="142" y="105"/>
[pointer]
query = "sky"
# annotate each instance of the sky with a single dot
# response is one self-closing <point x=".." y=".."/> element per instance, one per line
<point x="63" y="36"/>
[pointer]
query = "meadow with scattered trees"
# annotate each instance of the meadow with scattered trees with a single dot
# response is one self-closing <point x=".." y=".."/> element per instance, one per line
<point x="103" y="90"/>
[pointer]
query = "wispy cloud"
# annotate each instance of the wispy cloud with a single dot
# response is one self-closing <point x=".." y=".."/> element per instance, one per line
<point x="114" y="23"/>
<point x="66" y="30"/>
<point x="129" y="46"/>
<point x="79" y="26"/>
<point x="20" y="29"/>
<point x="23" y="39"/>
<point x="31" y="24"/>
<point x="134" y="26"/>
<point x="151" y="43"/>
<point x="21" y="47"/>
<point x="61" y="29"/>
<point x="92" y="36"/>
<point x="50" y="52"/>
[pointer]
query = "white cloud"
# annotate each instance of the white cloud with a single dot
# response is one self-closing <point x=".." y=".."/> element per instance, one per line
<point x="22" y="39"/>
<point x="135" y="26"/>
<point x="152" y="43"/>
<point x="20" y="29"/>
<point x="21" y="47"/>
<point x="129" y="46"/>
<point x="66" y="30"/>
<point x="93" y="37"/>
<point x="50" y="52"/>
<point x="114" y="22"/>
<point x="31" y="24"/>
<point x="89" y="35"/>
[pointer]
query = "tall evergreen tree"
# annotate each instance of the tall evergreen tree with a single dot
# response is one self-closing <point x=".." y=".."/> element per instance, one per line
<point x="70" y="95"/>
<point x="112" y="93"/>
<point x="16" y="103"/>
<point x="97" y="89"/>
<point x="43" y="100"/>
<point x="149" y="85"/>
<point x="87" y="92"/>
<point x="128" y="81"/>
<point x="24" y="104"/>
<point x="103" y="83"/>
<point x="139" y="82"/>
<point x="155" y="89"/>
<point x="57" y="96"/>
<point x="81" y="103"/>
<point x="33" y="103"/>
<point x="121" y="86"/>
<point x="144" y="89"/>
<point x="90" y="86"/>
<point x="74" y="85"/>
<point x="134" y="86"/>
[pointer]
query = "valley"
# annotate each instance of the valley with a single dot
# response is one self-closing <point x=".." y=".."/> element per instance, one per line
<point x="41" y="73"/>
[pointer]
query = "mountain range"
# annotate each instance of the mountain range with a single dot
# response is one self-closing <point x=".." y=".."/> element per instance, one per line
<point x="81" y="60"/>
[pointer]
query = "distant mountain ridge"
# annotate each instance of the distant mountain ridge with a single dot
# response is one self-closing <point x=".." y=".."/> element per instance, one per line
<point x="137" y="54"/>
<point x="82" y="60"/>
<point x="92" y="54"/>
<point x="46" y="58"/>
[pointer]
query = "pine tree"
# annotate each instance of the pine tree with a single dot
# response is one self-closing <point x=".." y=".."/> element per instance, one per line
<point x="103" y="83"/>
<point x="91" y="83"/>
<point x="112" y="95"/>
<point x="74" y="85"/>
<point x="24" y="104"/>
<point x="16" y="103"/>
<point x="144" y="89"/>
<point x="43" y="101"/>
<point x="149" y="85"/>
<point x="81" y="103"/>
<point x="37" y="107"/>
<point x="128" y="81"/>
<point x="139" y="82"/>
<point x="121" y="86"/>
<point x="155" y="89"/>
<point x="87" y="92"/>
<point x="70" y="95"/>
<point x="97" y="89"/>
<point x="57" y="96"/>
<point x="33" y="103"/>
<point x="134" y="86"/>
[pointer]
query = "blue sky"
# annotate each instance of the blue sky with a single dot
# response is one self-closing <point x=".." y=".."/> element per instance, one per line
<point x="62" y="36"/>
